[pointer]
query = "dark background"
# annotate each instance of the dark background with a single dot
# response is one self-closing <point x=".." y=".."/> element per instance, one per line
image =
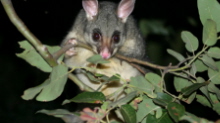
<point x="50" y="21"/>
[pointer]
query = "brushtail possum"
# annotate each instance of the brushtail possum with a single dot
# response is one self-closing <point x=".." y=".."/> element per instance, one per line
<point x="108" y="28"/>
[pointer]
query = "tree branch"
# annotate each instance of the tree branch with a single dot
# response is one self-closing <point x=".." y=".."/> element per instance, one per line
<point x="52" y="61"/>
<point x="138" y="68"/>
<point x="145" y="63"/>
<point x="27" y="34"/>
<point x="66" y="47"/>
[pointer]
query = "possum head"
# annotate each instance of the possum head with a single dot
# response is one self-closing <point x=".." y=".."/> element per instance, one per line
<point x="105" y="29"/>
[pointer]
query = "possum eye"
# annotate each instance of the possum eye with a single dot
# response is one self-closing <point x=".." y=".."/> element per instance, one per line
<point x="96" y="36"/>
<point x="116" y="37"/>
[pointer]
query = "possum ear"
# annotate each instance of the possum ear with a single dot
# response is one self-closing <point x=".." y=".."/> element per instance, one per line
<point x="125" y="8"/>
<point x="91" y="8"/>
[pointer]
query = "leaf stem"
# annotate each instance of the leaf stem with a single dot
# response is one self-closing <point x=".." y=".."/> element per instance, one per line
<point x="107" y="118"/>
<point x="171" y="94"/>
<point x="178" y="74"/>
<point x="163" y="85"/>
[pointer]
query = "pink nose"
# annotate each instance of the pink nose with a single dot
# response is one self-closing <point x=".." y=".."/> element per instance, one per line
<point x="105" y="53"/>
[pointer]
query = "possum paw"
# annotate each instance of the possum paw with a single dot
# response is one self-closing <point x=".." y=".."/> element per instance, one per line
<point x="72" y="50"/>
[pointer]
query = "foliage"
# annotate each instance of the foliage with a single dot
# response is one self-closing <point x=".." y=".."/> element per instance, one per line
<point x="146" y="99"/>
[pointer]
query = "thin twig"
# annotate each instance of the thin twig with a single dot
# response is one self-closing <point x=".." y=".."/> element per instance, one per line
<point x="181" y="75"/>
<point x="67" y="46"/>
<point x="138" y="68"/>
<point x="187" y="72"/>
<point x="145" y="63"/>
<point x="184" y="61"/>
<point x="60" y="52"/>
<point x="163" y="85"/>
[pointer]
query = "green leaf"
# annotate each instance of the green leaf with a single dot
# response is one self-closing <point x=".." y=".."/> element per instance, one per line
<point x="141" y="84"/>
<point x="96" y="59"/>
<point x="165" y="118"/>
<point x="31" y="56"/>
<point x="64" y="114"/>
<point x="194" y="119"/>
<point x="66" y="101"/>
<point x="193" y="69"/>
<point x="204" y="101"/>
<point x="212" y="88"/>
<point x="176" y="111"/>
<point x="57" y="79"/>
<point x="216" y="107"/>
<point x="151" y="119"/>
<point x="191" y="41"/>
<point x="209" y="33"/>
<point x="204" y="89"/>
<point x="103" y="77"/>
<point x="105" y="105"/>
<point x="216" y="104"/>
<point x="218" y="64"/>
<point x="214" y="76"/>
<point x="175" y="54"/>
<point x="200" y="66"/>
<point x="128" y="113"/>
<point x="192" y="88"/>
<point x="159" y="112"/>
<point x="146" y="107"/>
<point x="118" y="114"/>
<point x="114" y="78"/>
<point x="214" y="52"/>
<point x="32" y="92"/>
<point x="180" y="83"/>
<point x="56" y="112"/>
<point x="209" y="9"/>
<point x="124" y="100"/>
<point x="190" y="98"/>
<point x="92" y="77"/>
<point x="99" y="77"/>
<point x="209" y="62"/>
<point x="163" y="99"/>
<point x="89" y="97"/>
<point x="155" y="80"/>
